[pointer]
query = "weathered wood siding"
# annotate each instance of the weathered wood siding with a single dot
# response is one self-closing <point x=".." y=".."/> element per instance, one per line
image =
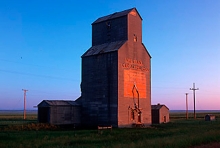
<point x="110" y="31"/>
<point x="65" y="115"/>
<point x="99" y="89"/>
<point x="164" y="115"/>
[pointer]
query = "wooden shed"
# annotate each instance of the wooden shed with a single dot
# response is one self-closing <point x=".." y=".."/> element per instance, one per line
<point x="160" y="114"/>
<point x="209" y="117"/>
<point x="59" y="112"/>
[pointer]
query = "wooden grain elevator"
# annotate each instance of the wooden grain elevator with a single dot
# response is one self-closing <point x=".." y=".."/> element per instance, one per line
<point x="116" y="73"/>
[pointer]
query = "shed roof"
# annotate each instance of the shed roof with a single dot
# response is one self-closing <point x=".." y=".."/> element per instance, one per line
<point x="103" y="48"/>
<point x="114" y="15"/>
<point x="158" y="106"/>
<point x="57" y="103"/>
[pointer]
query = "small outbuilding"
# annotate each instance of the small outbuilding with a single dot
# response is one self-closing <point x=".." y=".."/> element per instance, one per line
<point x="209" y="117"/>
<point x="59" y="112"/>
<point x="160" y="114"/>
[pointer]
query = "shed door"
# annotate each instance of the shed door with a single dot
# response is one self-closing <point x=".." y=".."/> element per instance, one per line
<point x="164" y="119"/>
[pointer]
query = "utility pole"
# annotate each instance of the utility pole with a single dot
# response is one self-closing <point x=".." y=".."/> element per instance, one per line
<point x="186" y="106"/>
<point x="25" y="90"/>
<point x="194" y="98"/>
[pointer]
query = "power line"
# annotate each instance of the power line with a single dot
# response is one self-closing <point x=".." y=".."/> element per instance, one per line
<point x="33" y="65"/>
<point x="170" y="87"/>
<point x="36" y="75"/>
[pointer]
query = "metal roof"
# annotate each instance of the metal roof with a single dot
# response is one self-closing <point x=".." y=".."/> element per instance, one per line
<point x="114" y="15"/>
<point x="103" y="48"/>
<point x="158" y="106"/>
<point x="57" y="103"/>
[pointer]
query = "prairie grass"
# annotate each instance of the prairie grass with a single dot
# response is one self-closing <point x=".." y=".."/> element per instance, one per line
<point x="179" y="133"/>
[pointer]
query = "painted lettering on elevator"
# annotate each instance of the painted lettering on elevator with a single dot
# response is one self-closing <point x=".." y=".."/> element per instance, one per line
<point x="134" y="65"/>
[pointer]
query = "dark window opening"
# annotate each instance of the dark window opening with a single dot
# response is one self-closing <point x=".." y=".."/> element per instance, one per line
<point x="108" y="24"/>
<point x="139" y="117"/>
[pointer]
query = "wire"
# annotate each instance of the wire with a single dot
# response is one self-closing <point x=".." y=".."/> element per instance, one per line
<point x="36" y="75"/>
<point x="170" y="87"/>
<point x="33" y="65"/>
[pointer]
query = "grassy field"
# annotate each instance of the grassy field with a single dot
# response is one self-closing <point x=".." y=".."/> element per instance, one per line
<point x="179" y="133"/>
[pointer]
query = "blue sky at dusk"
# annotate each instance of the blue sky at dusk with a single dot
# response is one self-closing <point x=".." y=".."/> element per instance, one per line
<point x="41" y="43"/>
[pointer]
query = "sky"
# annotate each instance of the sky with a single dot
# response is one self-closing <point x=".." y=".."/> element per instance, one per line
<point x="41" y="43"/>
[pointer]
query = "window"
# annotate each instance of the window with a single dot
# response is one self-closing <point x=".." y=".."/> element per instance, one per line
<point x="135" y="38"/>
